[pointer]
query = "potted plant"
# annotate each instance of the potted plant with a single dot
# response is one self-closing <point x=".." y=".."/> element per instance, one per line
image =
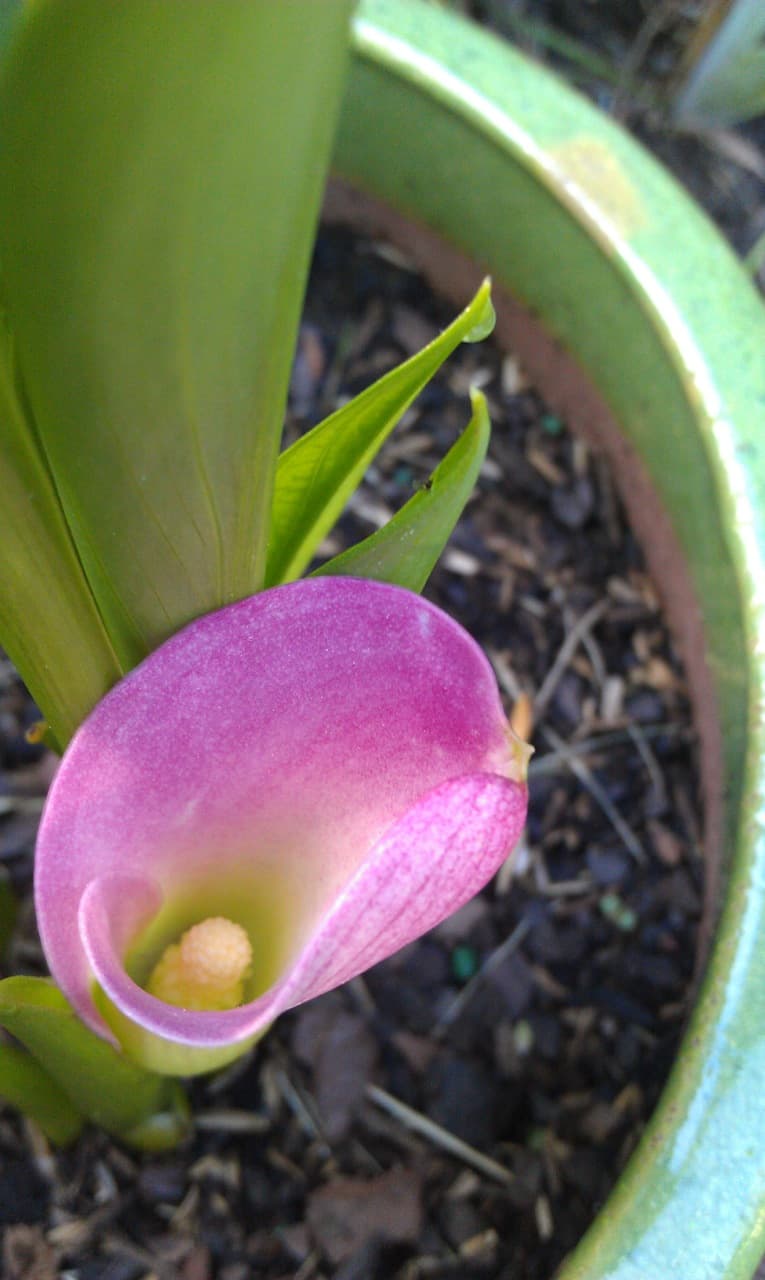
<point x="611" y="286"/>
<point x="636" y="321"/>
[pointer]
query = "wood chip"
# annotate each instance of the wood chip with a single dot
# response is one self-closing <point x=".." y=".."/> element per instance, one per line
<point x="27" y="1255"/>
<point x="347" y="1212"/>
<point x="419" y="1123"/>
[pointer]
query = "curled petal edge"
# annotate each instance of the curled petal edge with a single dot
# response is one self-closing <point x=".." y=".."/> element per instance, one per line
<point x="426" y="865"/>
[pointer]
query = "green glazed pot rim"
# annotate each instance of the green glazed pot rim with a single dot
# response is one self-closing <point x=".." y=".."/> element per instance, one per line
<point x="460" y="132"/>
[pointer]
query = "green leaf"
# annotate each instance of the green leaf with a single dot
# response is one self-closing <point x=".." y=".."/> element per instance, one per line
<point x="141" y="1108"/>
<point x="162" y="165"/>
<point x="31" y="1090"/>
<point x="316" y="475"/>
<point x="406" y="549"/>
<point x="724" y="66"/>
<point x="10" y="11"/>
<point x="49" y="624"/>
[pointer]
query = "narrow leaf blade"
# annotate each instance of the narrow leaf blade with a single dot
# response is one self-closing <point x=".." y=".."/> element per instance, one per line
<point x="49" y="624"/>
<point x="162" y="166"/>
<point x="316" y="475"/>
<point x="404" y="552"/>
<point x="31" y="1090"/>
<point x="141" y="1108"/>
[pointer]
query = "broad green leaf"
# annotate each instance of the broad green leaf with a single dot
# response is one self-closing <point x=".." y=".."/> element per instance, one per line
<point x="31" y="1090"/>
<point x="162" y="164"/>
<point x="49" y="624"/>
<point x="316" y="476"/>
<point x="406" y="549"/>
<point x="141" y="1108"/>
<point x="9" y="16"/>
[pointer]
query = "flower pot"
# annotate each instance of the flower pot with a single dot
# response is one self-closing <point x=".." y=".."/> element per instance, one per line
<point x="639" y="326"/>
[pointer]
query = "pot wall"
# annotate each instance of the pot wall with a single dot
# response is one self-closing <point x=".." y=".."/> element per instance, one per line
<point x="660" y="330"/>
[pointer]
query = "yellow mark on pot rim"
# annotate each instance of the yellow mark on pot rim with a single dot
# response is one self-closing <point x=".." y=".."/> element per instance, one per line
<point x="590" y="166"/>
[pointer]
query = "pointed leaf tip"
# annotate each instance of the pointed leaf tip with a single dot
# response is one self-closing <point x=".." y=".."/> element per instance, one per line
<point x="485" y="317"/>
<point x="318" y="473"/>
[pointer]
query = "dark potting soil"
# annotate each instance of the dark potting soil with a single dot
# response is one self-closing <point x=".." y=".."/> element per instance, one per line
<point x="464" y="1108"/>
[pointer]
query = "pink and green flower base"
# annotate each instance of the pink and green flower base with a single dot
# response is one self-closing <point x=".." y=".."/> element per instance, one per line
<point x="326" y="764"/>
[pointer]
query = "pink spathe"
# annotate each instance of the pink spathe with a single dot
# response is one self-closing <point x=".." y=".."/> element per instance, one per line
<point x="341" y="740"/>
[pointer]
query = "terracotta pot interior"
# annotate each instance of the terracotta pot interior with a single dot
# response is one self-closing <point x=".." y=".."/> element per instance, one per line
<point x="570" y="393"/>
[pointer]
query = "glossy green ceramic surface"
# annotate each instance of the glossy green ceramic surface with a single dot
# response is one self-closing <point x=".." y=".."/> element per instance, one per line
<point x="456" y="129"/>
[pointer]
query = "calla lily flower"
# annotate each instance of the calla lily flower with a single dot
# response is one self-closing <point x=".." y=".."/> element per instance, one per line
<point x="283" y="794"/>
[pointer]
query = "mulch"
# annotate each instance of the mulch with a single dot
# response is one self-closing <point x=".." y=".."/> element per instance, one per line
<point x="464" y="1108"/>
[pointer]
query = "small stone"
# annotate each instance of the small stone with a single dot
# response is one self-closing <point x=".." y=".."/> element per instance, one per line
<point x="17" y="836"/>
<point x="417" y="1051"/>
<point x="296" y="1240"/>
<point x="364" y="1264"/>
<point x="505" y="1053"/>
<point x="459" y="1221"/>
<point x="547" y="1034"/>
<point x="573" y="505"/>
<point x="599" y="1122"/>
<point x="607" y="866"/>
<point x="463" y="1099"/>
<point x="555" y="942"/>
<point x="464" y="963"/>
<point x="163" y="1183"/>
<point x="514" y="979"/>
<point x="618" y="912"/>
<point x="568" y="697"/>
<point x="24" y="1195"/>
<point x="645" y="706"/>
<point x="656" y="971"/>
<point x="428" y="965"/>
<point x="523" y="1038"/>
